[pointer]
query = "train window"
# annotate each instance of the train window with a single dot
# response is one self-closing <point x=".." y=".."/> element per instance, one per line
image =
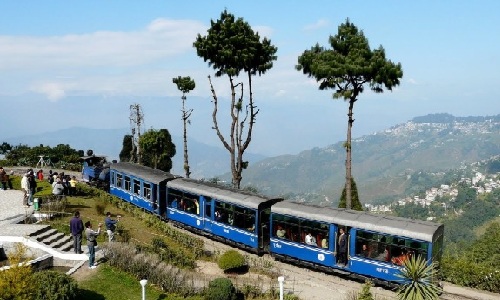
<point x="127" y="183"/>
<point x="174" y="200"/>
<point x="208" y="210"/>
<point x="224" y="212"/>
<point x="244" y="218"/>
<point x="190" y="202"/>
<point x="388" y="248"/>
<point x="312" y="232"/>
<point x="112" y="178"/>
<point x="137" y="187"/>
<point x="119" y="179"/>
<point x="147" y="191"/>
<point x="208" y="207"/>
<point x="285" y="227"/>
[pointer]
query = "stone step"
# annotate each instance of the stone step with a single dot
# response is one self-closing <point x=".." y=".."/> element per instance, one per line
<point x="54" y="239"/>
<point x="57" y="243"/>
<point x="56" y="236"/>
<point x="40" y="231"/>
<point x="45" y="234"/>
<point x="67" y="246"/>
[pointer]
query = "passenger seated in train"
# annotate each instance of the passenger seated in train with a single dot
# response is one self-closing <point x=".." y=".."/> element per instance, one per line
<point x="218" y="216"/>
<point x="400" y="259"/>
<point x="310" y="239"/>
<point x="196" y="207"/>
<point x="280" y="232"/>
<point x="182" y="205"/>
<point x="324" y="242"/>
<point x="366" y="251"/>
<point x="174" y="203"/>
<point x="385" y="255"/>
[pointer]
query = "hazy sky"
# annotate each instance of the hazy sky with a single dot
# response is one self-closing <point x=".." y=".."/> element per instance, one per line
<point x="83" y="63"/>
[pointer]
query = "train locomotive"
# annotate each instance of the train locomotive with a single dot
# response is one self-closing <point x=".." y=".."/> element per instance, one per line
<point x="376" y="245"/>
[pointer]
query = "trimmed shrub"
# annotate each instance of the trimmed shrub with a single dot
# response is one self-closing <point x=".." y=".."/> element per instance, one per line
<point x="232" y="260"/>
<point x="100" y="207"/>
<point x="220" y="289"/>
<point x="52" y="285"/>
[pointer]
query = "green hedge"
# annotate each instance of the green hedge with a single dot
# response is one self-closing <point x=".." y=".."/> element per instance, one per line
<point x="53" y="285"/>
<point x="220" y="289"/>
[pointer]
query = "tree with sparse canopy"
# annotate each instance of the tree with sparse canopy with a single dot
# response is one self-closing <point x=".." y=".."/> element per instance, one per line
<point x="157" y="149"/>
<point x="231" y="47"/>
<point x="185" y="85"/>
<point x="347" y="68"/>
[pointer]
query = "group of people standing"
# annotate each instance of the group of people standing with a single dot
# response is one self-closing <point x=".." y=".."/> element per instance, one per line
<point x="79" y="230"/>
<point x="62" y="185"/>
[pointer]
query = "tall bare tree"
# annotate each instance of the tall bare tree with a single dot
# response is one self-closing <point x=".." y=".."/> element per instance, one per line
<point x="347" y="68"/>
<point x="185" y="85"/>
<point x="231" y="47"/>
<point x="136" y="121"/>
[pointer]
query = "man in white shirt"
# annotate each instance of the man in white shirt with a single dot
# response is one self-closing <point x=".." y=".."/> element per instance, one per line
<point x="25" y="187"/>
<point x="310" y="240"/>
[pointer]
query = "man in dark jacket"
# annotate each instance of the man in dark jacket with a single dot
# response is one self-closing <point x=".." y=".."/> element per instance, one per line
<point x="110" y="226"/>
<point x="76" y="229"/>
<point x="342" y="256"/>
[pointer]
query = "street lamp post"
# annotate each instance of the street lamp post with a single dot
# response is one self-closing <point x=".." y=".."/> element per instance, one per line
<point x="143" y="284"/>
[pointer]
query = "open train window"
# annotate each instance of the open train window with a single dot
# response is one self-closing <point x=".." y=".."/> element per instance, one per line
<point x="137" y="187"/>
<point x="190" y="203"/>
<point x="112" y="179"/>
<point x="147" y="191"/>
<point x="127" y="183"/>
<point x="285" y="227"/>
<point x="208" y="207"/>
<point x="119" y="179"/>
<point x="388" y="248"/>
<point x="224" y="213"/>
<point x="174" y="200"/>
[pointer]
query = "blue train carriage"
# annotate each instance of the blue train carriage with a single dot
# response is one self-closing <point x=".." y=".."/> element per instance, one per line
<point x="377" y="245"/>
<point x="93" y="166"/>
<point x="233" y="216"/>
<point x="140" y="185"/>
<point x="303" y="234"/>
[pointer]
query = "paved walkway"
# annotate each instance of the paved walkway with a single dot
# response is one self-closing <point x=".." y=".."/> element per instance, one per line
<point x="13" y="230"/>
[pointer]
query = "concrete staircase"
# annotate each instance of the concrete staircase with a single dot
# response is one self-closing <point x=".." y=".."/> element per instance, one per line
<point x="54" y="239"/>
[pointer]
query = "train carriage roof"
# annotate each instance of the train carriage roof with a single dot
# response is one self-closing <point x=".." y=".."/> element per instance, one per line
<point x="225" y="194"/>
<point x="146" y="173"/>
<point x="416" y="229"/>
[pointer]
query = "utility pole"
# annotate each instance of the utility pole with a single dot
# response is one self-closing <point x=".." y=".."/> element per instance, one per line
<point x="136" y="121"/>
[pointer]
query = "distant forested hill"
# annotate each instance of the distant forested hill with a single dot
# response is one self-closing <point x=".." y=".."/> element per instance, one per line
<point x="383" y="163"/>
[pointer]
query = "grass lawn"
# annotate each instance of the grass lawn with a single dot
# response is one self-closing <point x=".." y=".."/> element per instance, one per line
<point x="108" y="283"/>
<point x="94" y="210"/>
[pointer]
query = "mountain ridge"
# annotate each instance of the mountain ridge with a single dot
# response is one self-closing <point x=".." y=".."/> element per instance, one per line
<point x="382" y="161"/>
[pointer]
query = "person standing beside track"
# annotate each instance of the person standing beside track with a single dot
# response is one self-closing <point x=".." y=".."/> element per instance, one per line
<point x="110" y="226"/>
<point x="92" y="242"/>
<point x="26" y="189"/>
<point x="76" y="229"/>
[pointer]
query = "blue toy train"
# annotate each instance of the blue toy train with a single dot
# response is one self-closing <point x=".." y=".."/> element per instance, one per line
<point x="375" y="245"/>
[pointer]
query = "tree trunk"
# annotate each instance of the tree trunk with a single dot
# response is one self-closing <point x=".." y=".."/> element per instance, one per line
<point x="348" y="176"/>
<point x="184" y="119"/>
